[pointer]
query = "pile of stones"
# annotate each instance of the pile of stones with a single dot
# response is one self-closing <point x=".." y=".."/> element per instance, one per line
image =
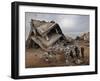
<point x="71" y="55"/>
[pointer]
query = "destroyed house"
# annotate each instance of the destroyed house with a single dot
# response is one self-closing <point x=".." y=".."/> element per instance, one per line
<point x="43" y="34"/>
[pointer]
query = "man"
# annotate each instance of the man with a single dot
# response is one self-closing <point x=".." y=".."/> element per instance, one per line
<point x="71" y="54"/>
<point x="77" y="51"/>
<point x="82" y="52"/>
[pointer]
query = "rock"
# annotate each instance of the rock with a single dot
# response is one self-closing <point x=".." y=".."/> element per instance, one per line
<point x="78" y="61"/>
<point x="46" y="60"/>
<point x="67" y="62"/>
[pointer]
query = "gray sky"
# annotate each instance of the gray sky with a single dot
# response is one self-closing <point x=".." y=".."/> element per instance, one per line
<point x="70" y="24"/>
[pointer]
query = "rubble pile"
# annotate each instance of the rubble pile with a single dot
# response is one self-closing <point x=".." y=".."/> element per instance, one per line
<point x="61" y="48"/>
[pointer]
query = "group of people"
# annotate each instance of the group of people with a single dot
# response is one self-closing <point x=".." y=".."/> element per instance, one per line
<point x="79" y="52"/>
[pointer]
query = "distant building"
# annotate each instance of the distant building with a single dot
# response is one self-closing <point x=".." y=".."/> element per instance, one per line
<point x="85" y="36"/>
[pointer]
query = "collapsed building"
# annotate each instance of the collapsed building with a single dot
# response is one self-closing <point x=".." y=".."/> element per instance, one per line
<point x="44" y="34"/>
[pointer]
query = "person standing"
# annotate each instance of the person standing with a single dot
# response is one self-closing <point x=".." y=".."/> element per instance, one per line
<point x="71" y="54"/>
<point x="77" y="51"/>
<point x="82" y="52"/>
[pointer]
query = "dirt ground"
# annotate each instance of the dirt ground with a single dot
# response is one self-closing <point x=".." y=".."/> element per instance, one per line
<point x="34" y="58"/>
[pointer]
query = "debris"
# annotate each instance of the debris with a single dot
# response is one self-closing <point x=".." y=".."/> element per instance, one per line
<point x="49" y="37"/>
<point x="78" y="61"/>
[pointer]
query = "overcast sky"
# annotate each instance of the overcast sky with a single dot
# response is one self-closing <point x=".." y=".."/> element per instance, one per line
<point x="70" y="24"/>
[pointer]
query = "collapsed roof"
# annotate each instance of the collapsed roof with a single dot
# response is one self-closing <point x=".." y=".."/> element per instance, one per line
<point x="44" y="34"/>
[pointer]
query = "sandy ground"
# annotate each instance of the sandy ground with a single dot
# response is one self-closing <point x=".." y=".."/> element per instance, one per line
<point x="34" y="58"/>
